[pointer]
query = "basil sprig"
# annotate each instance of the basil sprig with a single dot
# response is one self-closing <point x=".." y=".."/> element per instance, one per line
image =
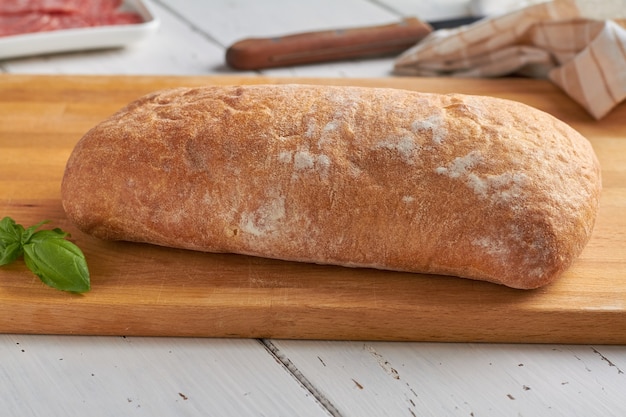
<point x="56" y="261"/>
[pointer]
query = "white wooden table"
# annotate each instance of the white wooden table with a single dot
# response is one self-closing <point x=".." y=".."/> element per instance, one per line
<point x="115" y="376"/>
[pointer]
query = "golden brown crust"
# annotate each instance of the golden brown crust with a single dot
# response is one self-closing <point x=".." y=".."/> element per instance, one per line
<point x="471" y="186"/>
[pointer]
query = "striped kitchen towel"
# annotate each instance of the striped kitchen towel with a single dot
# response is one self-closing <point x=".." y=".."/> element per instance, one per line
<point x="584" y="57"/>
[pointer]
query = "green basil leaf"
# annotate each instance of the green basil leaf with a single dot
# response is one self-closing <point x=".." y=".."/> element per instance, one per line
<point x="57" y="262"/>
<point x="10" y="231"/>
<point x="29" y="232"/>
<point x="47" y="234"/>
<point x="10" y="252"/>
<point x="10" y="240"/>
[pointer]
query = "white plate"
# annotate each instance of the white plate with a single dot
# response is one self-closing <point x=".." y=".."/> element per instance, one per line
<point x="66" y="40"/>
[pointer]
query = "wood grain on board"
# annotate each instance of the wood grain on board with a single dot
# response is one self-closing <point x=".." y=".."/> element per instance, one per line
<point x="147" y="290"/>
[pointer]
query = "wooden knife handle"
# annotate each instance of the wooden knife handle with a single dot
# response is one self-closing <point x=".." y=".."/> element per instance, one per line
<point x="329" y="45"/>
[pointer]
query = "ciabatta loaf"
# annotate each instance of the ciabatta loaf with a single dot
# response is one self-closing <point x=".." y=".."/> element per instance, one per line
<point x="476" y="187"/>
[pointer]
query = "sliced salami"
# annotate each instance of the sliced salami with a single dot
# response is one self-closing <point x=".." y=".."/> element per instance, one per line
<point x="10" y="7"/>
<point x="29" y="16"/>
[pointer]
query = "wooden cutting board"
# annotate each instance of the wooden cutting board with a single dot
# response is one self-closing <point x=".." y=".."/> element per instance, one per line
<point x="146" y="290"/>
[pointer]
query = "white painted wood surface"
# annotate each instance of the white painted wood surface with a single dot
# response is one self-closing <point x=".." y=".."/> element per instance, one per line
<point x="117" y="376"/>
<point x="113" y="376"/>
<point x="433" y="379"/>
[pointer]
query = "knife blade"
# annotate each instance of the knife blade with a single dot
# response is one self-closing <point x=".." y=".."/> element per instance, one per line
<point x="333" y="45"/>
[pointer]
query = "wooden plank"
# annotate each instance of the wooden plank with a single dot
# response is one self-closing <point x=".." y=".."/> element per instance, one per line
<point x="243" y="19"/>
<point x="147" y="290"/>
<point x="115" y="376"/>
<point x="435" y="9"/>
<point x="239" y="19"/>
<point x="420" y="379"/>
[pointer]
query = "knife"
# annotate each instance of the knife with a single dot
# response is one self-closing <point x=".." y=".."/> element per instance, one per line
<point x="333" y="45"/>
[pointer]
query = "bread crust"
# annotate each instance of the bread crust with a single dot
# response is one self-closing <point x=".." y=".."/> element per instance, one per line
<point x="471" y="186"/>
